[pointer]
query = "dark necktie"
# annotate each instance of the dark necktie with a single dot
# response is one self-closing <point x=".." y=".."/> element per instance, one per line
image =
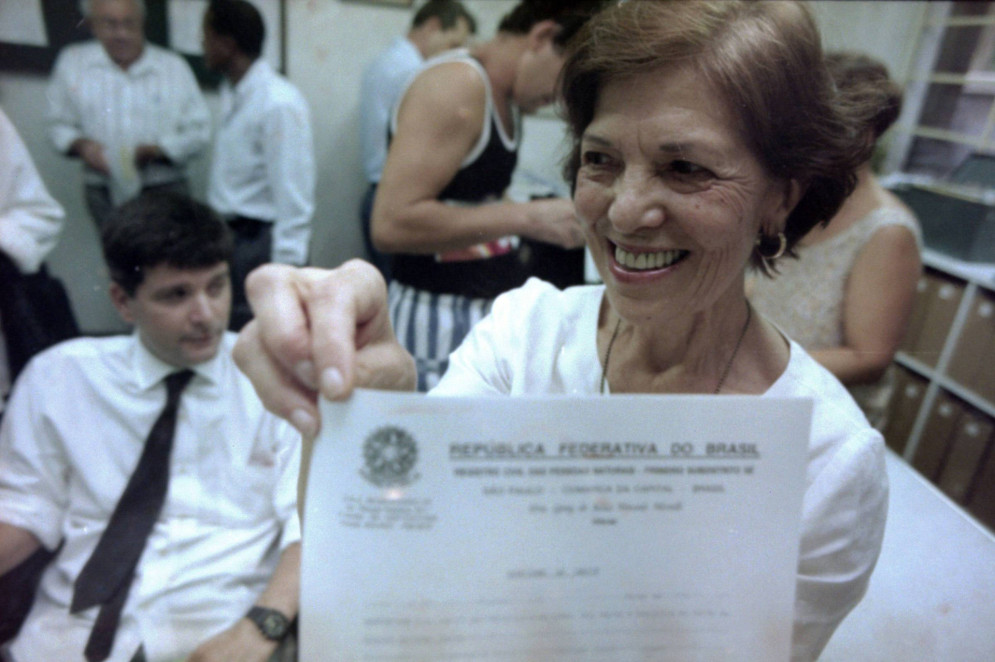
<point x="107" y="575"/>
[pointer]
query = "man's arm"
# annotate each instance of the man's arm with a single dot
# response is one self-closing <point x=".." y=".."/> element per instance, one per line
<point x="16" y="544"/>
<point x="243" y="641"/>
<point x="291" y="171"/>
<point x="30" y="219"/>
<point x="439" y="121"/>
<point x="191" y="132"/>
<point x="33" y="472"/>
<point x="65" y="125"/>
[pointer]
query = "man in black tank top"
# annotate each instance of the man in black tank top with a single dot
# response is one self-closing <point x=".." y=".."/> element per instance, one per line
<point x="439" y="208"/>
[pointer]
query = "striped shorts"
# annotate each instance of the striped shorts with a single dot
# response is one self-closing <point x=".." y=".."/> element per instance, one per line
<point x="430" y="326"/>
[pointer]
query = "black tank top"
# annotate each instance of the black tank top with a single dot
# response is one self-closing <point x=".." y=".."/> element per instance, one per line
<point x="478" y="182"/>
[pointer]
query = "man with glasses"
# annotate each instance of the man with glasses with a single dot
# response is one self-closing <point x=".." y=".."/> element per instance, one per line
<point x="130" y="111"/>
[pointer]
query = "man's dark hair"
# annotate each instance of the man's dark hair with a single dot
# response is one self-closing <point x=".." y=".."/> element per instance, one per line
<point x="239" y="20"/>
<point x="448" y="12"/>
<point x="571" y="15"/>
<point x="162" y="228"/>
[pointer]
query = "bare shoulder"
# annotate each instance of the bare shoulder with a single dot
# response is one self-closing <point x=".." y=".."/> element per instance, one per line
<point x="895" y="237"/>
<point x="450" y="87"/>
<point x="889" y="199"/>
<point x="890" y="255"/>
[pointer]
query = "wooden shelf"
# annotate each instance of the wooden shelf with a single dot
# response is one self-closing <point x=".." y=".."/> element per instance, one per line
<point x="979" y="273"/>
<point x="974" y="281"/>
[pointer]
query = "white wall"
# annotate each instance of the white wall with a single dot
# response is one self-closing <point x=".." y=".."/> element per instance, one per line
<point x="887" y="31"/>
<point x="328" y="44"/>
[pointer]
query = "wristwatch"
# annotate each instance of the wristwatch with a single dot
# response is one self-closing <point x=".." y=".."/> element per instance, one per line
<point x="272" y="624"/>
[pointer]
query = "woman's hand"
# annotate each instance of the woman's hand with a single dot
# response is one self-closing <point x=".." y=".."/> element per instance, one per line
<point x="318" y="330"/>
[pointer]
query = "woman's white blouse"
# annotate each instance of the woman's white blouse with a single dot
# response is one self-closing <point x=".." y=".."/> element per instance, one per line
<point x="539" y="340"/>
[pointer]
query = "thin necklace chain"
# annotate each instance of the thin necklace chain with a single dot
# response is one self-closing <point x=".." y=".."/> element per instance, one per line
<point x="608" y="354"/>
<point x="725" y="371"/>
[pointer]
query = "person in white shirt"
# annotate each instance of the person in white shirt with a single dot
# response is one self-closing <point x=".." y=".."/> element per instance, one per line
<point x="30" y="225"/>
<point x="226" y="539"/>
<point x="439" y="25"/>
<point x="262" y="174"/>
<point x="132" y="112"/>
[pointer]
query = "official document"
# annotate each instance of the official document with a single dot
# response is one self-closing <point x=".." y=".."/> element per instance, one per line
<point x="553" y="528"/>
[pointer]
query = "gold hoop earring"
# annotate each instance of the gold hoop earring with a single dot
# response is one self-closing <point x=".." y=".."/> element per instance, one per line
<point x="782" y="246"/>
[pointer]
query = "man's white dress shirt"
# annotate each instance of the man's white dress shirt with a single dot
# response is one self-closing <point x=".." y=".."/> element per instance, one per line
<point x="30" y="219"/>
<point x="383" y="81"/>
<point x="263" y="164"/>
<point x="155" y="101"/>
<point x="71" y="437"/>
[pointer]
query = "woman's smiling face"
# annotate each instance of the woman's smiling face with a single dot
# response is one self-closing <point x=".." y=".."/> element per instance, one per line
<point x="670" y="196"/>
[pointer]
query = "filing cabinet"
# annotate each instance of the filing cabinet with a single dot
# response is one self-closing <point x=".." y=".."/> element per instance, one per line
<point x="940" y="299"/>
<point x="971" y="364"/>
<point x="981" y="497"/>
<point x="906" y="401"/>
<point x="942" y="413"/>
<point x="963" y="459"/>
<point x="941" y="425"/>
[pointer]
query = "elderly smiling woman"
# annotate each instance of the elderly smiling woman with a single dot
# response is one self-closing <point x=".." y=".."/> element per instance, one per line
<point x="706" y="139"/>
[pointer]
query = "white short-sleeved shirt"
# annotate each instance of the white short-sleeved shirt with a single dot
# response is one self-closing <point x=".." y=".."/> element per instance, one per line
<point x="71" y="437"/>
<point x="539" y="340"/>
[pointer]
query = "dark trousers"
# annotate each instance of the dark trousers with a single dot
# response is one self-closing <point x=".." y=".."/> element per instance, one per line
<point x="253" y="247"/>
<point x="381" y="261"/>
<point x="98" y="198"/>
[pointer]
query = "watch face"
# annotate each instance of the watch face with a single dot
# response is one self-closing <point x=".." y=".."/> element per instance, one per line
<point x="273" y="625"/>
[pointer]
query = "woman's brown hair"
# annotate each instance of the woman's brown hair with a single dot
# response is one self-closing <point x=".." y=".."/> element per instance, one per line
<point x="765" y="60"/>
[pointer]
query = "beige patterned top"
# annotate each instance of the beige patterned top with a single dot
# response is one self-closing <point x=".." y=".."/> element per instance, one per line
<point x="805" y="299"/>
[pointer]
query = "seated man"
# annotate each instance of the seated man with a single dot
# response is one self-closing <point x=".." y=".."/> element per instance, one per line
<point x="150" y="458"/>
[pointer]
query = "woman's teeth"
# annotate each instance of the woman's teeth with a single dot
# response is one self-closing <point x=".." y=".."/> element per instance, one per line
<point x="656" y="260"/>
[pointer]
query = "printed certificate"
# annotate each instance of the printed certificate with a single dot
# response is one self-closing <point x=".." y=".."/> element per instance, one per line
<point x="553" y="528"/>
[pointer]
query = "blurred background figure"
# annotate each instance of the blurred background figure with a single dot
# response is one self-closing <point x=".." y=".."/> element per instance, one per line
<point x="34" y="308"/>
<point x="439" y="25"/>
<point x="131" y="111"/>
<point x="34" y="314"/>
<point x="849" y="296"/>
<point x="440" y="207"/>
<point x="262" y="172"/>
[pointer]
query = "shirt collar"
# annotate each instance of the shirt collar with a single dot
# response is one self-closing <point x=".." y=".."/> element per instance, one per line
<point x="409" y="45"/>
<point x="235" y="96"/>
<point x="144" y="64"/>
<point x="150" y="369"/>
<point x="258" y="71"/>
